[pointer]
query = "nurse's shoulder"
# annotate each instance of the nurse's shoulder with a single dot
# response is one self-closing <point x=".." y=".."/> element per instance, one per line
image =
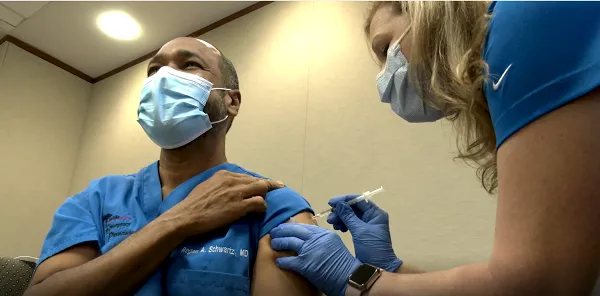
<point x="541" y="56"/>
<point x="544" y="99"/>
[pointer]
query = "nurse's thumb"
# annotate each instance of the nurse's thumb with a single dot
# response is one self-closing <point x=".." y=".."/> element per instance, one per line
<point x="347" y="215"/>
<point x="286" y="263"/>
<point x="254" y="204"/>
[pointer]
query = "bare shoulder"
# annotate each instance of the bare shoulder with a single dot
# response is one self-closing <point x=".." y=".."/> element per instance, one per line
<point x="304" y="218"/>
<point x="269" y="279"/>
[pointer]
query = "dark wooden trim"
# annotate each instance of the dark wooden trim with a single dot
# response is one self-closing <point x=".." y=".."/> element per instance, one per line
<point x="3" y="39"/>
<point x="46" y="57"/>
<point x="204" y="30"/>
<point x="52" y="60"/>
<point x="125" y="66"/>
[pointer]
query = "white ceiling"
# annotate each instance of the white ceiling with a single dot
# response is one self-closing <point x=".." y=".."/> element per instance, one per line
<point x="14" y="13"/>
<point x="68" y="31"/>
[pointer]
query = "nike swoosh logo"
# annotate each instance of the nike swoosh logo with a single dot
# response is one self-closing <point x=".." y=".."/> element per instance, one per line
<point x="495" y="85"/>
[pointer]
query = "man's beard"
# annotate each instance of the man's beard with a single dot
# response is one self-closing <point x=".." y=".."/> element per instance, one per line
<point x="216" y="110"/>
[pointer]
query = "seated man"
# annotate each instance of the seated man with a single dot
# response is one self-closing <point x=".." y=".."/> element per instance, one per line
<point x="189" y="224"/>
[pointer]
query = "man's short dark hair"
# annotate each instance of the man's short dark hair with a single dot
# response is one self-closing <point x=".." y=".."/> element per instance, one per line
<point x="228" y="73"/>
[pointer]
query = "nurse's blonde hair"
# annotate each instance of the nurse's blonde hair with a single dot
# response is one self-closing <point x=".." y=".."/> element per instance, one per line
<point x="447" y="65"/>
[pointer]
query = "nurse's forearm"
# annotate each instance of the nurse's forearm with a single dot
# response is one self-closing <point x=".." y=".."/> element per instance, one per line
<point x="121" y="270"/>
<point x="474" y="280"/>
<point x="407" y="269"/>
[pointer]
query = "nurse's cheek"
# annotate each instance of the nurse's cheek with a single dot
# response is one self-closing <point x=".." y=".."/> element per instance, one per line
<point x="219" y="201"/>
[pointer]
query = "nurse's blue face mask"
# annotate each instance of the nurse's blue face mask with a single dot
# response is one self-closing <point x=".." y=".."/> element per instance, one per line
<point x="395" y="89"/>
<point x="171" y="109"/>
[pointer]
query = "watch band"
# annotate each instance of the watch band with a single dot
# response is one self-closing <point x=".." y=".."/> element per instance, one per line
<point x="351" y="291"/>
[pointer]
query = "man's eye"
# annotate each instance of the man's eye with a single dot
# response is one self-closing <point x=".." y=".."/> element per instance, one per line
<point x="192" y="64"/>
<point x="152" y="70"/>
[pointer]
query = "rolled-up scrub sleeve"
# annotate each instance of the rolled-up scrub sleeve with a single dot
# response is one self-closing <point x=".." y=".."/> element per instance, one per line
<point x="73" y="224"/>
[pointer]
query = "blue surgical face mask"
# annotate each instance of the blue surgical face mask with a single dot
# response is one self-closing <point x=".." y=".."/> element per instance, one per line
<point x="395" y="89"/>
<point x="171" y="109"/>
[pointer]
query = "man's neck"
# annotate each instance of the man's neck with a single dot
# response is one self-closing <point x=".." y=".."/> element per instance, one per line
<point x="178" y="165"/>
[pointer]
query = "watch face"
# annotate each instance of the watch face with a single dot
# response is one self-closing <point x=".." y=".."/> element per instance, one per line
<point x="362" y="275"/>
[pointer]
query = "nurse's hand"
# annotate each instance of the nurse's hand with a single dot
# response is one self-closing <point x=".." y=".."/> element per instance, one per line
<point x="370" y="229"/>
<point x="322" y="259"/>
<point x="218" y="201"/>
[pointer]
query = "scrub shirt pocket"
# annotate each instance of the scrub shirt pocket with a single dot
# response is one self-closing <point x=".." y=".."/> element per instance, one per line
<point x="196" y="282"/>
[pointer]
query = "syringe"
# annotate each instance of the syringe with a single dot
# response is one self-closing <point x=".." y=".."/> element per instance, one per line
<point x="365" y="196"/>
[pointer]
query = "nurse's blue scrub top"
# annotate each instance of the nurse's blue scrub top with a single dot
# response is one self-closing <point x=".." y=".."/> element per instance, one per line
<point x="114" y="207"/>
<point x="553" y="50"/>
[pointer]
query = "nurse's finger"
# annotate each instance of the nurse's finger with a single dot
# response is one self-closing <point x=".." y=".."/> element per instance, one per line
<point x="254" y="204"/>
<point x="291" y="230"/>
<point x="334" y="219"/>
<point x="291" y="263"/>
<point x="336" y="222"/>
<point x="332" y="202"/>
<point x="363" y="206"/>
<point x="260" y="187"/>
<point x="287" y="244"/>
<point x="340" y="227"/>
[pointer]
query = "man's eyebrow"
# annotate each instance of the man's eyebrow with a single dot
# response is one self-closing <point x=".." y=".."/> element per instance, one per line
<point x="153" y="59"/>
<point x="188" y="54"/>
<point x="180" y="52"/>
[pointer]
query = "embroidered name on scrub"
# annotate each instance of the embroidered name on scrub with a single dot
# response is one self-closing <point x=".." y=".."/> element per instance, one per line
<point x="215" y="249"/>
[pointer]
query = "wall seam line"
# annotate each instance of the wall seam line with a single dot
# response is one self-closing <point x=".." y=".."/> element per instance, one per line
<point x="310" y="47"/>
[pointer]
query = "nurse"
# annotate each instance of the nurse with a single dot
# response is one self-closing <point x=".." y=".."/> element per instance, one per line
<point x="520" y="81"/>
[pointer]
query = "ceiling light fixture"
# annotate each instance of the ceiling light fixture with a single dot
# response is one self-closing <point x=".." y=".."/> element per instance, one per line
<point x="119" y="25"/>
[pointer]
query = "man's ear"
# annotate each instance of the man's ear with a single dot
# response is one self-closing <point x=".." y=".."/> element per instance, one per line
<point x="234" y="102"/>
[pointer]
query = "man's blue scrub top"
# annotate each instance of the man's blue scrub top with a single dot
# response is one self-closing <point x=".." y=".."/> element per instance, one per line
<point x="114" y="207"/>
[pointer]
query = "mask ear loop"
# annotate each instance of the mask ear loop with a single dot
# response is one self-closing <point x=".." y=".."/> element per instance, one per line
<point x="226" y="116"/>
<point x="396" y="43"/>
<point x="220" y="120"/>
<point x="405" y="32"/>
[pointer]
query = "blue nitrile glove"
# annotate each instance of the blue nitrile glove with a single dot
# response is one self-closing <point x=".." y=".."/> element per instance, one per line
<point x="370" y="229"/>
<point x="322" y="259"/>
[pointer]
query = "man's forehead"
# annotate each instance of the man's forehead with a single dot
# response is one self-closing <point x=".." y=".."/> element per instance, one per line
<point x="190" y="44"/>
<point x="207" y="44"/>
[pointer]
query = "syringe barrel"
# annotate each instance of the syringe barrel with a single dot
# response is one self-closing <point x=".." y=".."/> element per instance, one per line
<point x="365" y="196"/>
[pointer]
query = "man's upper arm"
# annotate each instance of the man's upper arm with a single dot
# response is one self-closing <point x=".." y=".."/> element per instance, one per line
<point x="66" y="259"/>
<point x="71" y="240"/>
<point x="269" y="279"/>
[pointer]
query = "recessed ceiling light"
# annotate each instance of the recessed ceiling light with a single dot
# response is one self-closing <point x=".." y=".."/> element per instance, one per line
<point x="119" y="25"/>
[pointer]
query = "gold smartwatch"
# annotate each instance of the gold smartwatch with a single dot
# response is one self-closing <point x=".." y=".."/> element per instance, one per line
<point x="362" y="279"/>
